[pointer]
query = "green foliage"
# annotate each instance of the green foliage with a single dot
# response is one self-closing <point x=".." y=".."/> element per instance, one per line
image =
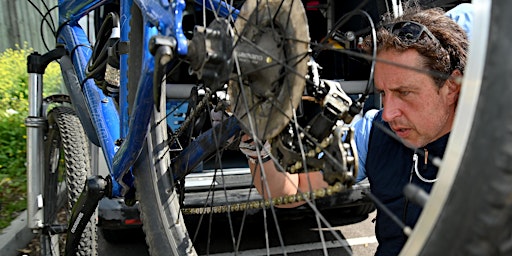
<point x="13" y="111"/>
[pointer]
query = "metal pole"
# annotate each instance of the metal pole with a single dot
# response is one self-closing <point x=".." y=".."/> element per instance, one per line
<point x="35" y="123"/>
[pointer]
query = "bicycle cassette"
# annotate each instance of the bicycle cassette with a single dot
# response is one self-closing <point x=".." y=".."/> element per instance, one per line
<point x="271" y="63"/>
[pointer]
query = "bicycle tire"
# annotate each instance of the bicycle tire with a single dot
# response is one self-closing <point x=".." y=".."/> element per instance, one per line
<point x="450" y="223"/>
<point x="67" y="162"/>
<point x="469" y="211"/>
<point x="160" y="206"/>
<point x="163" y="223"/>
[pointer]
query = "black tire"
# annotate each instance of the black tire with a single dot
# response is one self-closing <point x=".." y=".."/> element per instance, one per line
<point x="163" y="224"/>
<point x="160" y="206"/>
<point x="67" y="165"/>
<point x="470" y="211"/>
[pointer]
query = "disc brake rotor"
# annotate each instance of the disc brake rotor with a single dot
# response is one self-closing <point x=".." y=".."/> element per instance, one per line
<point x="272" y="46"/>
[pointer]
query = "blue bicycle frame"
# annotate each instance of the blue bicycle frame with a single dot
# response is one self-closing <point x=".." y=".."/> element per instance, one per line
<point x="111" y="124"/>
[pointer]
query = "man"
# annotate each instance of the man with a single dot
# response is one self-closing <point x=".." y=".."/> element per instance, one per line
<point x="419" y="109"/>
<point x="420" y="57"/>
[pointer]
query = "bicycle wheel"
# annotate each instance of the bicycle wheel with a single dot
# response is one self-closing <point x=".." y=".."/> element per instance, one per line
<point x="469" y="211"/>
<point x="272" y="50"/>
<point x="67" y="164"/>
<point x="165" y="230"/>
<point x="468" y="214"/>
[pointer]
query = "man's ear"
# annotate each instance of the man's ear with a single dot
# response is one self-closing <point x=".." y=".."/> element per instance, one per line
<point x="453" y="85"/>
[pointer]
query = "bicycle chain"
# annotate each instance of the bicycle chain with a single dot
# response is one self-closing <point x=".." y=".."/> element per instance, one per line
<point x="193" y="115"/>
<point x="267" y="203"/>
<point x="256" y="204"/>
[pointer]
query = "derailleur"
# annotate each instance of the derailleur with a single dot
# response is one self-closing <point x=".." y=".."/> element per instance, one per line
<point x="327" y="143"/>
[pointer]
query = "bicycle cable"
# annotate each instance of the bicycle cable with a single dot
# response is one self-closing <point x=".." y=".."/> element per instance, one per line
<point x="44" y="19"/>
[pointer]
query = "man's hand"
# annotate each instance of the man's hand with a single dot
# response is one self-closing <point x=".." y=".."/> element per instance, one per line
<point x="249" y="147"/>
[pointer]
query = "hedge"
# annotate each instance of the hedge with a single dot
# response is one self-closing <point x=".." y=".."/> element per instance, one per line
<point x="13" y="111"/>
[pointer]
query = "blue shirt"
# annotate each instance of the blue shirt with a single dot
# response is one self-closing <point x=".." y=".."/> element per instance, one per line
<point x="362" y="130"/>
<point x="463" y="15"/>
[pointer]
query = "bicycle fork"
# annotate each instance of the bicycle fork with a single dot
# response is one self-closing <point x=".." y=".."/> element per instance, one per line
<point x="36" y="123"/>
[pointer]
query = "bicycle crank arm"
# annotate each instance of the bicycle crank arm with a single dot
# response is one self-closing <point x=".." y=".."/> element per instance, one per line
<point x="82" y="211"/>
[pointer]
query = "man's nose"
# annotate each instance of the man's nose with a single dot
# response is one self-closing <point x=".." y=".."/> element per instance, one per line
<point x="391" y="110"/>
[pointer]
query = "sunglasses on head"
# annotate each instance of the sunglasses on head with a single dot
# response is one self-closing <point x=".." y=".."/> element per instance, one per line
<point x="409" y="32"/>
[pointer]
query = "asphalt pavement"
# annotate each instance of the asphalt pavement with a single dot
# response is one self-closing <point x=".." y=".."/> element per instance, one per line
<point x="359" y="237"/>
<point x="301" y="238"/>
<point x="16" y="236"/>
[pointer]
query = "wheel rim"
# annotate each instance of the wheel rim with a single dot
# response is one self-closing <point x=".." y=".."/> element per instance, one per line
<point x="462" y="127"/>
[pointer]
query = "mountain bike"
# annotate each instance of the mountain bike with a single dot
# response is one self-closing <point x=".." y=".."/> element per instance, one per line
<point x="146" y="89"/>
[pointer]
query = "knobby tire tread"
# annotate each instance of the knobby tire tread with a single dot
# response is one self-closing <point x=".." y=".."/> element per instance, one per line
<point x="66" y="127"/>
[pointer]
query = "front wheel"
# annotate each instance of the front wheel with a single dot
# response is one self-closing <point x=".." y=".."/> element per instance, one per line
<point x="66" y="167"/>
<point x="469" y="211"/>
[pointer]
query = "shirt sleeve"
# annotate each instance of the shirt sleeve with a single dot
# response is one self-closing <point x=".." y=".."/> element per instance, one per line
<point x="463" y="15"/>
<point x="362" y="128"/>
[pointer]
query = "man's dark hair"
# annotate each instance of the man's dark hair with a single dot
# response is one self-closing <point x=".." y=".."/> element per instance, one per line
<point x="443" y="56"/>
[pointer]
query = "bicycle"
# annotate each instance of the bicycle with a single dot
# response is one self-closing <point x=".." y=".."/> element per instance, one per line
<point x="225" y="52"/>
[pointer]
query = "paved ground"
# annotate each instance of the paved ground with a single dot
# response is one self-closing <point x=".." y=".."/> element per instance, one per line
<point x="359" y="236"/>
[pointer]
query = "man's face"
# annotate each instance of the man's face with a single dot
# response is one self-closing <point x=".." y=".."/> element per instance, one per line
<point x="417" y="110"/>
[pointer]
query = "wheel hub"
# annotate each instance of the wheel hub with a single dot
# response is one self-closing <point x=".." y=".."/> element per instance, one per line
<point x="271" y="57"/>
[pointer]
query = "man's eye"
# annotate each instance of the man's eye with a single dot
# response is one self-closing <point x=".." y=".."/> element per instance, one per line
<point x="404" y="93"/>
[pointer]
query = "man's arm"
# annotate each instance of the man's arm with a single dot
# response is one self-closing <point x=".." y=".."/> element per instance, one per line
<point x="272" y="183"/>
<point x="275" y="183"/>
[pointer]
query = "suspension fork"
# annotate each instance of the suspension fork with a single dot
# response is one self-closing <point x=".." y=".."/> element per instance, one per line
<point x="36" y="123"/>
